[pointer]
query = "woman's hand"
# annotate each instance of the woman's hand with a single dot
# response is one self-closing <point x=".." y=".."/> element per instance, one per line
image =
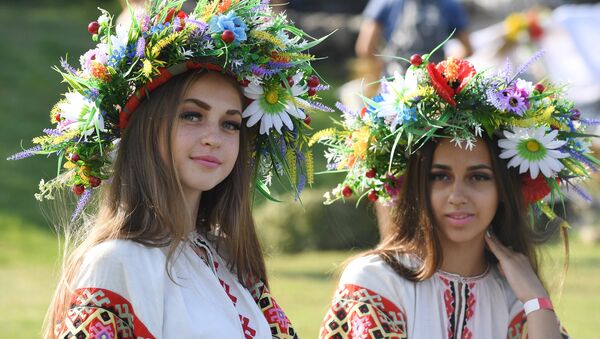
<point x="517" y="270"/>
<point x="526" y="285"/>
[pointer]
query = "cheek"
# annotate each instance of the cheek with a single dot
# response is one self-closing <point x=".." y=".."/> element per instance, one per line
<point x="437" y="199"/>
<point x="487" y="198"/>
<point x="234" y="145"/>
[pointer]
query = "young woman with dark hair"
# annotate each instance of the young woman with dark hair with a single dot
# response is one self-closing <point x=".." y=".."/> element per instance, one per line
<point x="463" y="159"/>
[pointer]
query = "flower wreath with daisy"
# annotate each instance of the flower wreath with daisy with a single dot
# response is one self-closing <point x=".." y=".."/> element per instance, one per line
<point x="540" y="132"/>
<point x="243" y="38"/>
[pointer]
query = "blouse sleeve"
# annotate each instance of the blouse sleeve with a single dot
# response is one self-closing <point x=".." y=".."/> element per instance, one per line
<point x="280" y="325"/>
<point x="357" y="312"/>
<point x="106" y="299"/>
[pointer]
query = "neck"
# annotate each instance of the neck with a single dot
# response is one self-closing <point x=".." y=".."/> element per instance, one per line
<point x="465" y="259"/>
<point x="192" y="201"/>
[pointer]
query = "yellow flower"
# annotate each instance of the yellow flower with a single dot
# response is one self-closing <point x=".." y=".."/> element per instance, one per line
<point x="147" y="69"/>
<point x="310" y="178"/>
<point x="69" y="165"/>
<point x="513" y="25"/>
<point x="84" y="173"/>
<point x="361" y="142"/>
<point x="262" y="35"/>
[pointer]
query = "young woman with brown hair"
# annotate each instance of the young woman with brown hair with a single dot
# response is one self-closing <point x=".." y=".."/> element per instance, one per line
<point x="153" y="129"/>
<point x="461" y="259"/>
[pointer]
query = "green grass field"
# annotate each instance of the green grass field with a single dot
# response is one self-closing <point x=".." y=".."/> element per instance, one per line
<point x="303" y="284"/>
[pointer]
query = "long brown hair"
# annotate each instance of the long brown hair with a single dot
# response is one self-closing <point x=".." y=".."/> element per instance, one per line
<point x="414" y="229"/>
<point x="145" y="202"/>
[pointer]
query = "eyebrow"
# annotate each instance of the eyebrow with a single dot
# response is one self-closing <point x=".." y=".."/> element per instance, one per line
<point x="470" y="168"/>
<point x="207" y="107"/>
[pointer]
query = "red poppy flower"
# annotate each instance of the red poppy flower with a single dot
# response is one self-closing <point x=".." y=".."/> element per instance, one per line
<point x="534" y="189"/>
<point x="449" y="77"/>
<point x="181" y="15"/>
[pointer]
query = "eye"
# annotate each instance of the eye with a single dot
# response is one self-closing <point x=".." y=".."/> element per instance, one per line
<point x="481" y="177"/>
<point x="190" y="116"/>
<point x="232" y="125"/>
<point x="439" y="176"/>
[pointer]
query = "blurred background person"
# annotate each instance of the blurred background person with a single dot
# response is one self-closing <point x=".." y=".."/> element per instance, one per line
<point x="408" y="27"/>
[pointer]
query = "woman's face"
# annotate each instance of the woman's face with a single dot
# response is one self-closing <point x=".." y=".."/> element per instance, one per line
<point x="206" y="136"/>
<point x="464" y="196"/>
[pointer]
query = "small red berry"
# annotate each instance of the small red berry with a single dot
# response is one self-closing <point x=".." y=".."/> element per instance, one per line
<point x="312" y="91"/>
<point x="245" y="83"/>
<point x="78" y="189"/>
<point x="347" y="192"/>
<point x="290" y="81"/>
<point x="373" y="196"/>
<point x="307" y="120"/>
<point x="57" y="117"/>
<point x="313" y="81"/>
<point x="227" y="36"/>
<point x="75" y="157"/>
<point x="539" y="87"/>
<point x="93" y="27"/>
<point x="95" y="182"/>
<point x="371" y="173"/>
<point x="416" y="60"/>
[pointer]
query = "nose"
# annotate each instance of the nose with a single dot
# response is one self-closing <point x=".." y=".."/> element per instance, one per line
<point x="457" y="195"/>
<point x="211" y="135"/>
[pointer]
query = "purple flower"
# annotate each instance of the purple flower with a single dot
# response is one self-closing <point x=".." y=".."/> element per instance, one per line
<point x="261" y="71"/>
<point x="393" y="186"/>
<point x="26" y="153"/>
<point x="319" y="106"/>
<point x="83" y="200"/>
<point x="140" y="47"/>
<point x="201" y="26"/>
<point x="144" y="21"/>
<point x="511" y="99"/>
<point x="68" y="68"/>
<point x="347" y="111"/>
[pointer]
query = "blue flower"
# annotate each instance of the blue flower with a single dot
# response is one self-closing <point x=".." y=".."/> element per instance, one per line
<point x="230" y="22"/>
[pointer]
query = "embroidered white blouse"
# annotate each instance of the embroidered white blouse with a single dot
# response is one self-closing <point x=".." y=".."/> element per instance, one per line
<point x="373" y="301"/>
<point x="123" y="290"/>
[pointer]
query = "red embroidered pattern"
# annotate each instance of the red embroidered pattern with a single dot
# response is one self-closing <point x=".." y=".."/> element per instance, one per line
<point x="100" y="313"/>
<point x="357" y="312"/>
<point x="450" y="303"/>
<point x="278" y="322"/>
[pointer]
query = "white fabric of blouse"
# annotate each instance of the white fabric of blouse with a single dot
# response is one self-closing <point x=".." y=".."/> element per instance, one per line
<point x="372" y="300"/>
<point x="201" y="301"/>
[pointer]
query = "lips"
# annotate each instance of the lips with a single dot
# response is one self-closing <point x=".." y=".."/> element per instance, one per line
<point x="459" y="218"/>
<point x="207" y="161"/>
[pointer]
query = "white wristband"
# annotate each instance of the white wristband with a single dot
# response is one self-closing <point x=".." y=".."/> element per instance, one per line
<point x="537" y="304"/>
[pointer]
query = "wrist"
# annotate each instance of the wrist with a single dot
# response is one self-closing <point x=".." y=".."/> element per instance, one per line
<point x="535" y="304"/>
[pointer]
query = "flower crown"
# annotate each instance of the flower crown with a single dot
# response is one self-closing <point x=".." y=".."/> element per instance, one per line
<point x="540" y="131"/>
<point x="263" y="51"/>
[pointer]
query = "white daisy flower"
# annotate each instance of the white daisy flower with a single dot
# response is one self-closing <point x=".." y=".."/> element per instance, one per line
<point x="274" y="104"/>
<point x="531" y="149"/>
